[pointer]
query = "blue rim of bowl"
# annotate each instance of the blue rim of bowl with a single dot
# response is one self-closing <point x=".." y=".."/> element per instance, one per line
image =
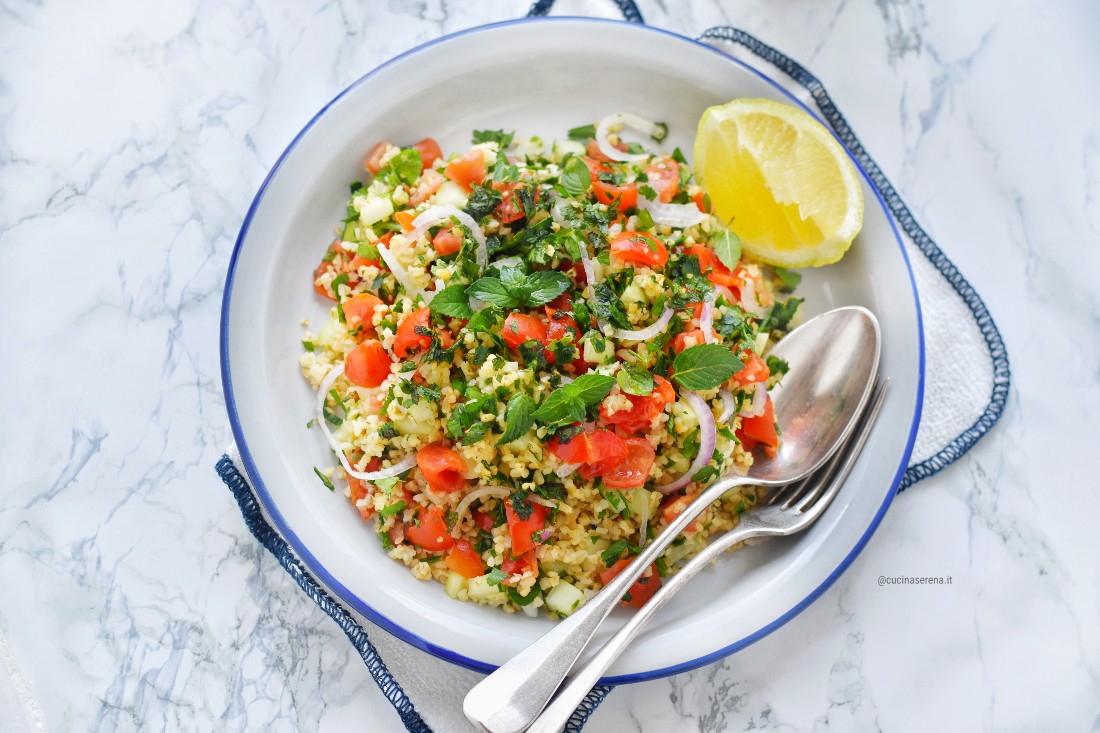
<point x="400" y="632"/>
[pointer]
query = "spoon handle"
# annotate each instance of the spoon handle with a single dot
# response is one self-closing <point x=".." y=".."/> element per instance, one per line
<point x="509" y="699"/>
<point x="574" y="691"/>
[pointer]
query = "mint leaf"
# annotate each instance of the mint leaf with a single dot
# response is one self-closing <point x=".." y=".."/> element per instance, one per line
<point x="392" y="509"/>
<point x="727" y="246"/>
<point x="406" y="165"/>
<point x="576" y="179"/>
<point x="705" y="366"/>
<point x="582" y="133"/>
<point x="492" y="290"/>
<point x="452" y="301"/>
<point x="635" y="380"/>
<point x="789" y="278"/>
<point x="589" y="388"/>
<point x="560" y="407"/>
<point x="496" y="576"/>
<point x="520" y="418"/>
<point x="502" y="138"/>
<point x="541" y="287"/>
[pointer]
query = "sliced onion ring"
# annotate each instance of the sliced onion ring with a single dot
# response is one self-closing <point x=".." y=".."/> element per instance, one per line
<point x="680" y="216"/>
<point x="438" y="214"/>
<point x="319" y="416"/>
<point x="626" y="119"/>
<point x="708" y="438"/>
<point x="729" y="404"/>
<point x="706" y="320"/>
<point x="480" y="493"/>
<point x="646" y="333"/>
<point x="566" y="469"/>
<point x="397" y="270"/>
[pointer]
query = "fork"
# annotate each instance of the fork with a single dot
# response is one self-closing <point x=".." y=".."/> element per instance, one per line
<point x="788" y="510"/>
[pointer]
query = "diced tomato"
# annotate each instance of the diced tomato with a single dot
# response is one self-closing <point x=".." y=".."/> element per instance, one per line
<point x="578" y="449"/>
<point x="664" y="178"/>
<point x="464" y="560"/>
<point x="643" y="408"/>
<point x="681" y="341"/>
<point x="510" y="208"/>
<point x="430" y="531"/>
<point x="467" y="169"/>
<point x="639" y="247"/>
<point x="483" y="521"/>
<point x="405" y="219"/>
<point x="643" y="588"/>
<point x="373" y="162"/>
<point x="442" y="468"/>
<point x="700" y="200"/>
<point x="595" y="152"/>
<point x="359" y="312"/>
<point x="520" y="327"/>
<point x="429" y="183"/>
<point x="608" y="450"/>
<point x="760" y="430"/>
<point x="359" y="490"/>
<point x="446" y="242"/>
<point x="675" y="506"/>
<point x="756" y="369"/>
<point x="367" y="365"/>
<point x="560" y="325"/>
<point x="525" y="563"/>
<point x="595" y="167"/>
<point x="520" y="530"/>
<point x="633" y="470"/>
<point x="625" y="197"/>
<point x="430" y="152"/>
<point x="719" y="274"/>
<point x="408" y="341"/>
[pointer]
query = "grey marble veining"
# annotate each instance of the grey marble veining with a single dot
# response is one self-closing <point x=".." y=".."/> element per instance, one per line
<point x="132" y="139"/>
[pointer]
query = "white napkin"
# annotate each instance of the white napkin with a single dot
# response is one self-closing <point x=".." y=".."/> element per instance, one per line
<point x="966" y="379"/>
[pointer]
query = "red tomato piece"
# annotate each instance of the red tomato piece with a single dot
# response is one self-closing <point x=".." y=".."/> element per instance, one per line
<point x="639" y="247"/>
<point x="760" y="430"/>
<point x="367" y="365"/>
<point x="483" y="521"/>
<point x="681" y="341"/>
<point x="429" y="183"/>
<point x="643" y="409"/>
<point x="467" y="169"/>
<point x="464" y="560"/>
<point x="520" y="327"/>
<point x="675" y="506"/>
<point x="625" y="197"/>
<point x="719" y="274"/>
<point x="560" y="325"/>
<point x="430" y="531"/>
<point x="408" y="341"/>
<point x="633" y="470"/>
<point x="373" y="161"/>
<point x="520" y="530"/>
<point x="609" y="450"/>
<point x="430" y="152"/>
<point x="756" y="369"/>
<point x="643" y="588"/>
<point x="594" y="150"/>
<point x="595" y="167"/>
<point x="442" y="468"/>
<point x="359" y="312"/>
<point x="664" y="178"/>
<point x="578" y="449"/>
<point x="446" y="242"/>
<point x="525" y="563"/>
<point x="701" y="202"/>
<point x="510" y="208"/>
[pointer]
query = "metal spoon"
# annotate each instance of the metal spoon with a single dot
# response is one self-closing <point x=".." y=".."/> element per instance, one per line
<point x="833" y="362"/>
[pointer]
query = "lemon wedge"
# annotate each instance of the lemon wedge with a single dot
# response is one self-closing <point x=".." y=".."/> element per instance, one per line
<point x="783" y="183"/>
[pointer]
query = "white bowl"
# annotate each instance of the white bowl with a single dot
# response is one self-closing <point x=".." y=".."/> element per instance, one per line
<point x="539" y="76"/>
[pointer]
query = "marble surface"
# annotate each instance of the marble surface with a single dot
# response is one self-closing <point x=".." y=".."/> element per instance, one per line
<point x="132" y="138"/>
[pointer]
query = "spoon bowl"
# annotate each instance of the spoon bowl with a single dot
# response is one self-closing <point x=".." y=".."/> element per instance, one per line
<point x="833" y="360"/>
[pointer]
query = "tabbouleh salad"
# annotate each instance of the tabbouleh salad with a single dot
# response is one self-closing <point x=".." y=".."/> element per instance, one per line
<point x="536" y="356"/>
